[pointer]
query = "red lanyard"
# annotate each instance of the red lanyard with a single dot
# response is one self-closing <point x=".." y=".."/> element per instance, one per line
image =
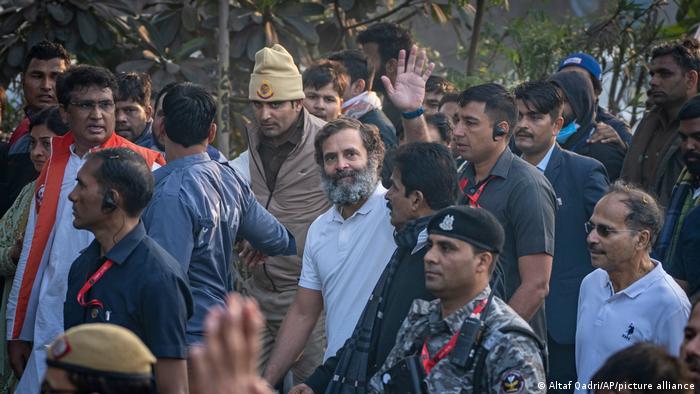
<point x="428" y="362"/>
<point x="91" y="282"/>
<point x="474" y="198"/>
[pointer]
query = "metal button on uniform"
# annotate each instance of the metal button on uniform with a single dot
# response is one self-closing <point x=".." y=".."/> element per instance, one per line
<point x="94" y="313"/>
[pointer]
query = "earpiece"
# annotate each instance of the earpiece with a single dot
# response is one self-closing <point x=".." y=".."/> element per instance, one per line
<point x="498" y="131"/>
<point x="108" y="203"/>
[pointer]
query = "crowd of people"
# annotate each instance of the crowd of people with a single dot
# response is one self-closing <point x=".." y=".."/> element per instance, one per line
<point x="402" y="234"/>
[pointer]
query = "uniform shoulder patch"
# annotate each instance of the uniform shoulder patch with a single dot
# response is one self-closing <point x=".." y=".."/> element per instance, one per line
<point x="512" y="382"/>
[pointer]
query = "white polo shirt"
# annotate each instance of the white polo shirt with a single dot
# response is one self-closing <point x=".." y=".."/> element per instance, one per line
<point x="343" y="259"/>
<point x="653" y="309"/>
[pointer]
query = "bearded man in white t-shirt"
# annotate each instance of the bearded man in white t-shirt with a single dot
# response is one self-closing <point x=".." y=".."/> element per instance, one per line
<point x="349" y="245"/>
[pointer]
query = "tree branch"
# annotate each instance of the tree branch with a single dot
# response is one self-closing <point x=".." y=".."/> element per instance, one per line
<point x="381" y="16"/>
<point x="476" y="31"/>
<point x="341" y="23"/>
<point x="407" y="17"/>
<point x="641" y="77"/>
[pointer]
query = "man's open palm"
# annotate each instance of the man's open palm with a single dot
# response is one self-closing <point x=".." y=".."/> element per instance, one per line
<point x="408" y="91"/>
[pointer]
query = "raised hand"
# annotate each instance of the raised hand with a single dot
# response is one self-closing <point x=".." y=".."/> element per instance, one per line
<point x="408" y="91"/>
<point x="227" y="362"/>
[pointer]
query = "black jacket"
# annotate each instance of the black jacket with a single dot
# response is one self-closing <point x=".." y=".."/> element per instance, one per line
<point x="579" y="93"/>
<point x="406" y="284"/>
<point x="619" y="125"/>
<point x="18" y="171"/>
<point x="386" y="128"/>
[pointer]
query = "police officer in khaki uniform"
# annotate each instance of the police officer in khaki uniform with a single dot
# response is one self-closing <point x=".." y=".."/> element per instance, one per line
<point x="284" y="177"/>
<point x="99" y="358"/>
<point x="467" y="340"/>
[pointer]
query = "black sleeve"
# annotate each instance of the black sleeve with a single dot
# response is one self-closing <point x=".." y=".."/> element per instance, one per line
<point x="684" y="263"/>
<point x="318" y="381"/>
<point x="610" y="155"/>
<point x="73" y="313"/>
<point x="164" y="314"/>
<point x="532" y="206"/>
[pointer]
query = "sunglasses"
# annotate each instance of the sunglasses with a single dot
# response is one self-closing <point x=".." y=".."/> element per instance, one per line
<point x="603" y="230"/>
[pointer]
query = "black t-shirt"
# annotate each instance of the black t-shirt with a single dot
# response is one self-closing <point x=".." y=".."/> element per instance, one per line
<point x="145" y="291"/>
<point x="523" y="201"/>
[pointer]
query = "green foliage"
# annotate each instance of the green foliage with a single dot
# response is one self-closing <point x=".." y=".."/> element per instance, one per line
<point x="531" y="46"/>
<point x="687" y="17"/>
<point x="688" y="11"/>
<point x="176" y="40"/>
<point x="90" y="29"/>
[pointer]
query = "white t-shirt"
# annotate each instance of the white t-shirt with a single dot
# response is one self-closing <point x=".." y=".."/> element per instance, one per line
<point x="343" y="259"/>
<point x="653" y="309"/>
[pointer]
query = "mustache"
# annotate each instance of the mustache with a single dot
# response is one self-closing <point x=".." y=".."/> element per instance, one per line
<point x="594" y="249"/>
<point x="691" y="154"/>
<point x="344" y="173"/>
<point x="693" y="363"/>
<point x="523" y="131"/>
<point x="267" y="123"/>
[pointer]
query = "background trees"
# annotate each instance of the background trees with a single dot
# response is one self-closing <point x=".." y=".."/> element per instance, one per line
<point x="177" y="40"/>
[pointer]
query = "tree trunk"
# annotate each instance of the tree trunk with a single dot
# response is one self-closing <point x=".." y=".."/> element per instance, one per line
<point x="223" y="90"/>
<point x="476" y="31"/>
<point x="618" y="61"/>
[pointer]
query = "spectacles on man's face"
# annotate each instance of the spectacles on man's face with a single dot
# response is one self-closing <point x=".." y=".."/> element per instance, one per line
<point x="88" y="105"/>
<point x="603" y="230"/>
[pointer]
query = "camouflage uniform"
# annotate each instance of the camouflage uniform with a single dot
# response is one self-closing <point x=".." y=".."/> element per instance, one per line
<point x="513" y="363"/>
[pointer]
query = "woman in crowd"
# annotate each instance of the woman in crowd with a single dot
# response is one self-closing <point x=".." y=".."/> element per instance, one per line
<point x="44" y="125"/>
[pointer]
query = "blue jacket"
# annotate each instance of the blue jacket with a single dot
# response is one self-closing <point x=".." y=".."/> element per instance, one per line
<point x="579" y="182"/>
<point x="198" y="209"/>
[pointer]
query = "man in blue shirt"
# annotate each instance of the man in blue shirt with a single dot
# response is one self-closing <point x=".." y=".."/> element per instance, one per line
<point x="123" y="277"/>
<point x="200" y="206"/>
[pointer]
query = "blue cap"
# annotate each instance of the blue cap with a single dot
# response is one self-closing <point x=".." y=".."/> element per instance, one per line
<point x="582" y="60"/>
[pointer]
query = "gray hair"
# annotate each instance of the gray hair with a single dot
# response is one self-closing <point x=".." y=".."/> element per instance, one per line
<point x="644" y="211"/>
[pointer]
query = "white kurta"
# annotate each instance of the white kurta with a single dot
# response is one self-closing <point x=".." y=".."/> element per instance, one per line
<point x="44" y="320"/>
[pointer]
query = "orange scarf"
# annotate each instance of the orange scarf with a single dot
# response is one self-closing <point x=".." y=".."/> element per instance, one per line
<point x="47" y="192"/>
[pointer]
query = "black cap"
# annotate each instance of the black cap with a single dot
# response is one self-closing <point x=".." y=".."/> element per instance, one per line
<point x="475" y="226"/>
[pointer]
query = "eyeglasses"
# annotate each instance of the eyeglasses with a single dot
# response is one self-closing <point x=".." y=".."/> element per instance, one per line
<point x="603" y="230"/>
<point x="87" y="106"/>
